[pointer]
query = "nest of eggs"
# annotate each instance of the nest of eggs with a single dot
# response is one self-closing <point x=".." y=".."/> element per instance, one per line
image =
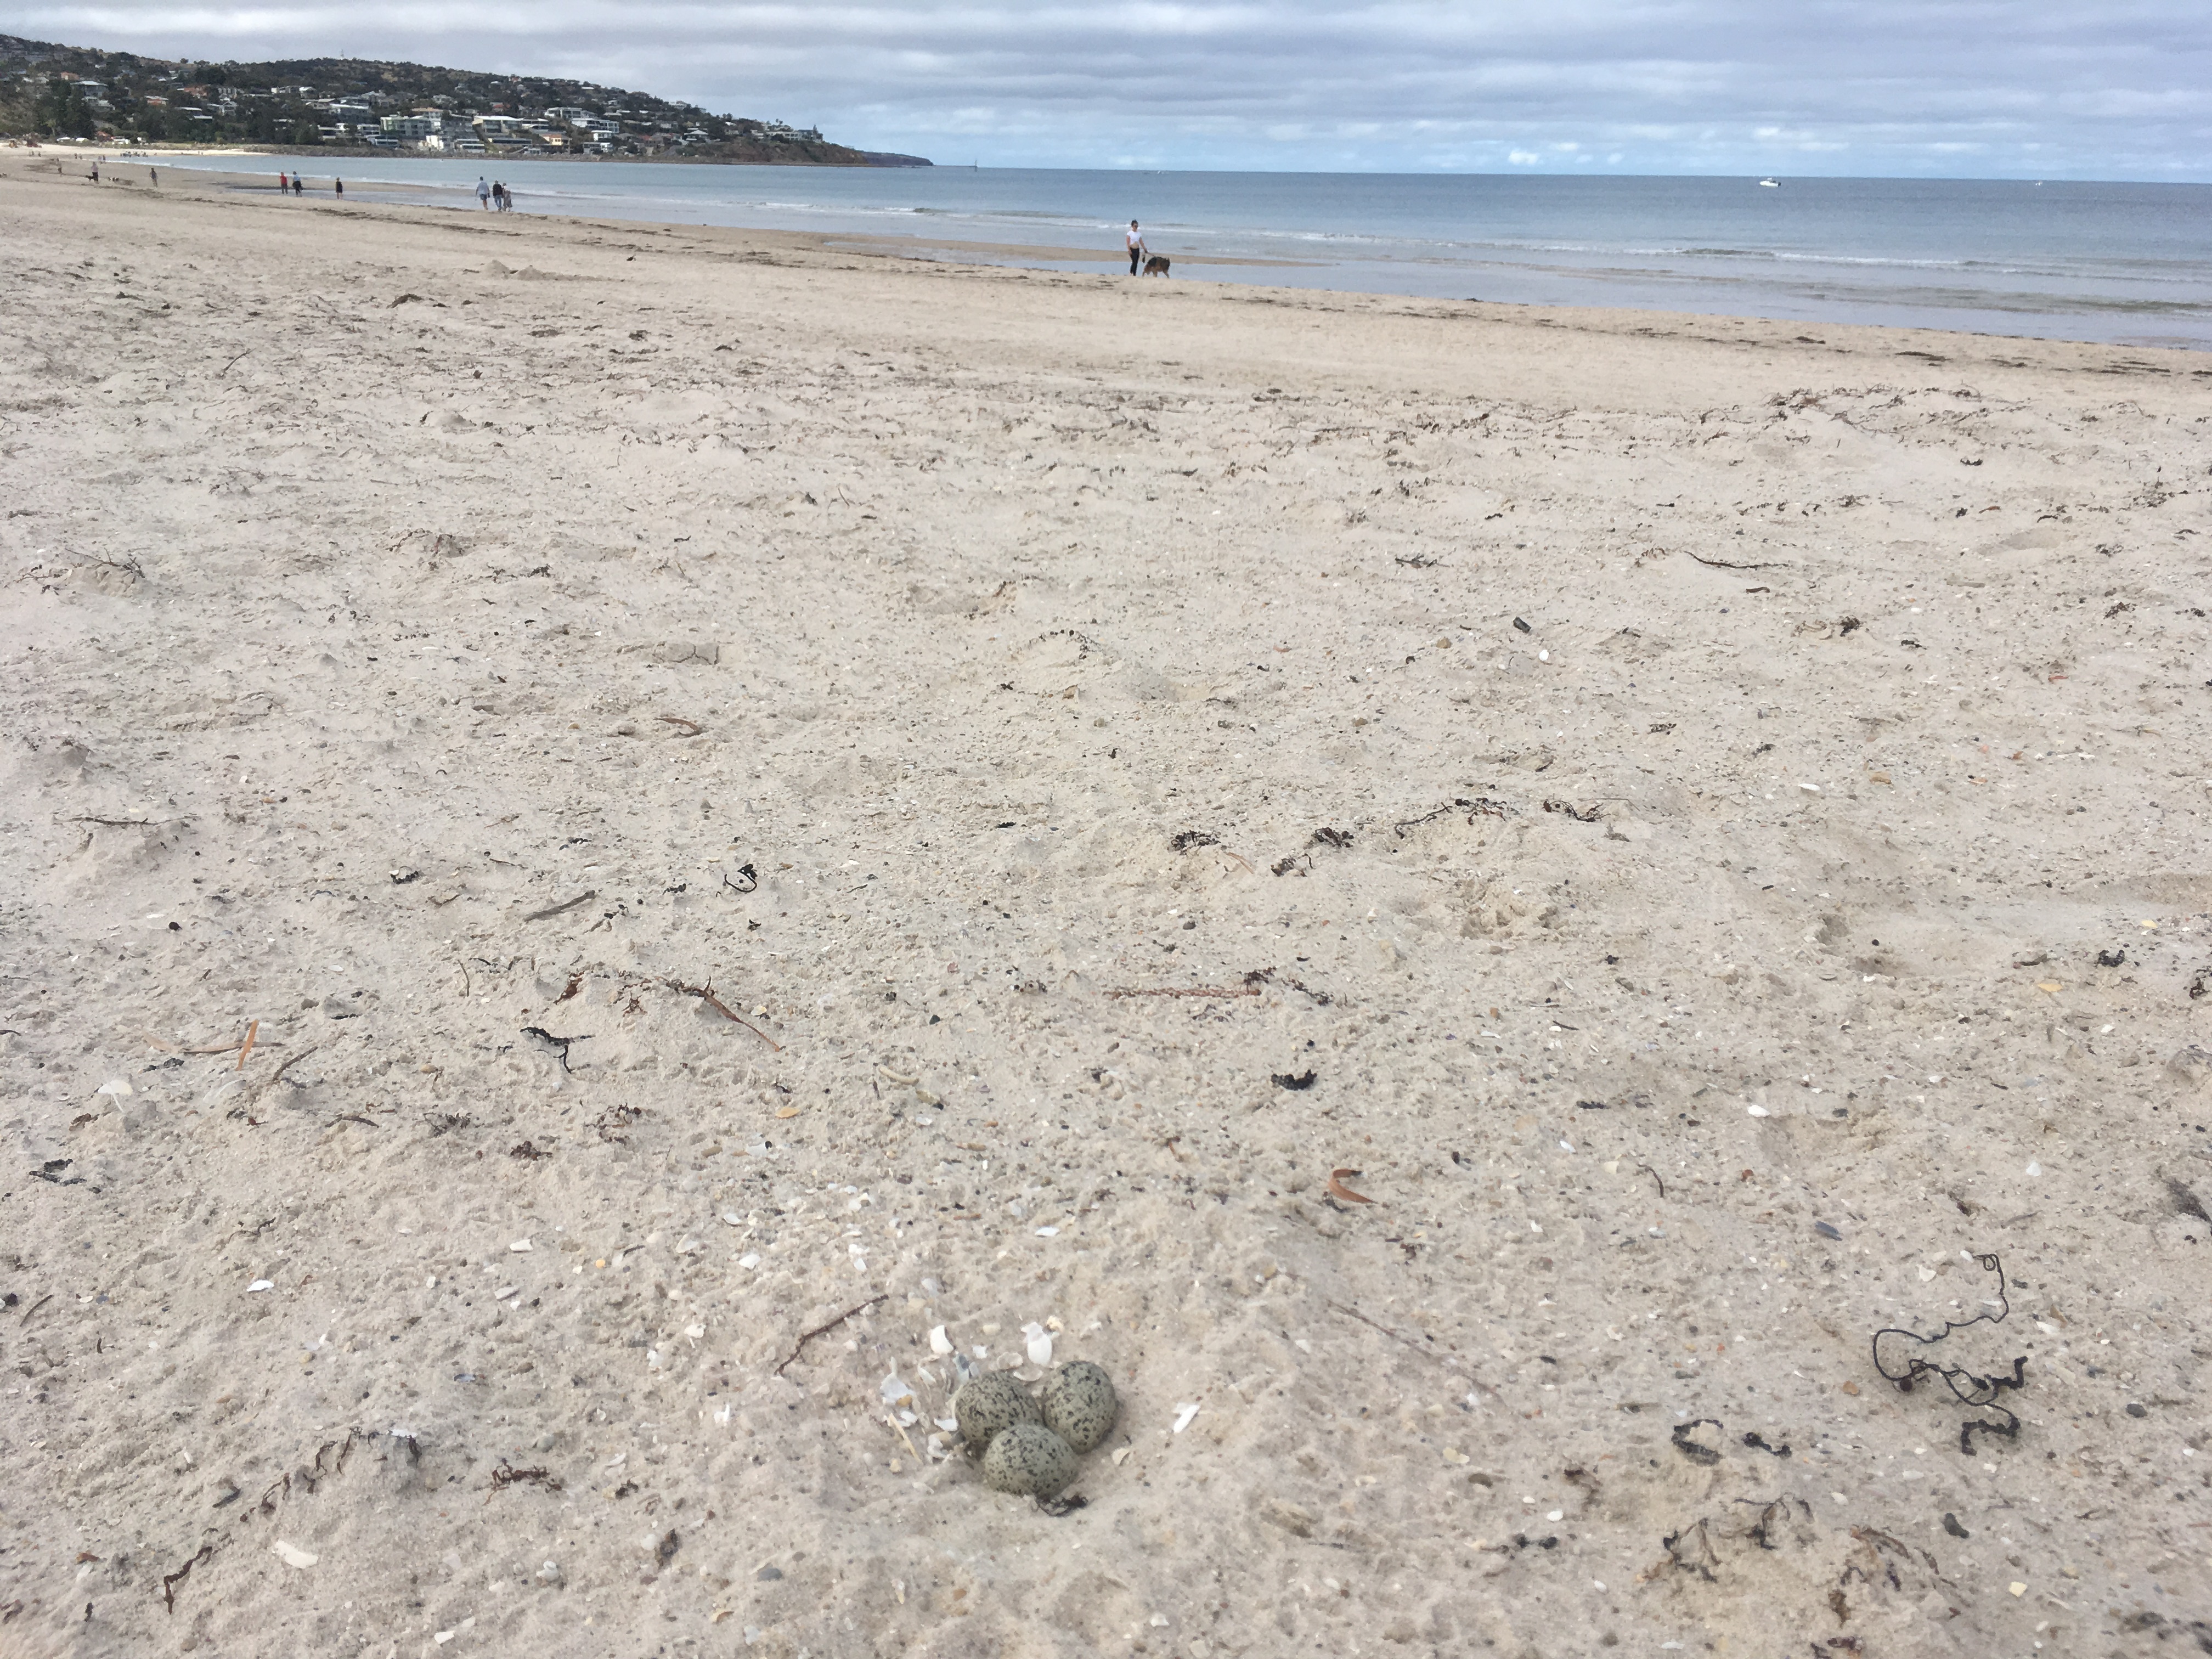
<point x="1030" y="1443"/>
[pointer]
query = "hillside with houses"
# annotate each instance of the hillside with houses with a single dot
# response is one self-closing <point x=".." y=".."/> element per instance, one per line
<point x="75" y="93"/>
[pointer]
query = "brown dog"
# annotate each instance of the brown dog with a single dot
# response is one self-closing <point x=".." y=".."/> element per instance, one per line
<point x="1157" y="265"/>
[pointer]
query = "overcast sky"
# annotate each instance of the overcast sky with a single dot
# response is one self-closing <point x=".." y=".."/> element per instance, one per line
<point x="1950" y="87"/>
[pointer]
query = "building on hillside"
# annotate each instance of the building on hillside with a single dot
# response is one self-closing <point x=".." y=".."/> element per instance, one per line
<point x="413" y="129"/>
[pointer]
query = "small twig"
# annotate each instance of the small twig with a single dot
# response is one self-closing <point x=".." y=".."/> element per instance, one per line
<point x="1722" y="564"/>
<point x="901" y="1434"/>
<point x="277" y="1076"/>
<point x="692" y="728"/>
<point x="33" y="1308"/>
<point x="228" y="367"/>
<point x="706" y="994"/>
<point x="824" y="1329"/>
<point x="562" y="908"/>
<point x="246" y="1048"/>
<point x="1654" y="1174"/>
<point x="1354" y="1313"/>
<point x="125" y="823"/>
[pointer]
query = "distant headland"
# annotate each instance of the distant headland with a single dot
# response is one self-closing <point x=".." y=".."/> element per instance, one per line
<point x="356" y="105"/>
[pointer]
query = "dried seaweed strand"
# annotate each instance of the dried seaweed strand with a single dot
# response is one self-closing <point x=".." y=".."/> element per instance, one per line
<point x="706" y="994"/>
<point x="1968" y="1387"/>
<point x="1482" y="806"/>
<point x="1186" y="991"/>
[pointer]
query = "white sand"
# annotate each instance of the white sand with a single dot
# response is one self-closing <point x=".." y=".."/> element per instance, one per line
<point x="366" y="573"/>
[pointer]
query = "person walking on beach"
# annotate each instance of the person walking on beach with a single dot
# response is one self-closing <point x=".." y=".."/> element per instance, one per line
<point x="484" y="192"/>
<point x="1137" y="249"/>
<point x="298" y="185"/>
<point x="338" y="185"/>
<point x="283" y="183"/>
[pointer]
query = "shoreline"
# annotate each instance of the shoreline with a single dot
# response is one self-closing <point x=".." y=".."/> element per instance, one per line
<point x="2159" y="359"/>
<point x="626" y="835"/>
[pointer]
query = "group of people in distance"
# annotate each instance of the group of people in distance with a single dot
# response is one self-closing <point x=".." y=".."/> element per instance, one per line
<point x="491" y="193"/>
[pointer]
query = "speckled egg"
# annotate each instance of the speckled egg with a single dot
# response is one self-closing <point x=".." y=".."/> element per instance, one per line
<point x="990" y="1403"/>
<point x="1030" y="1459"/>
<point x="1079" y="1404"/>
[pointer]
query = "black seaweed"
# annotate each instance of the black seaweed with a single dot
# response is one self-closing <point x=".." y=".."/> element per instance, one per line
<point x="1968" y="1387"/>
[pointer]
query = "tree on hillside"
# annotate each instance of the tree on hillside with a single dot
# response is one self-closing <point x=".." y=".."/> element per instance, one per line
<point x="65" y="113"/>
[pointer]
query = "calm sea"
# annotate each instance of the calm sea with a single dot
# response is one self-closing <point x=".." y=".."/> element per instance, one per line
<point x="2118" y="263"/>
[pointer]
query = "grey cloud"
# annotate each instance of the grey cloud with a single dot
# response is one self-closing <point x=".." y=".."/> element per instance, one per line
<point x="2001" y="86"/>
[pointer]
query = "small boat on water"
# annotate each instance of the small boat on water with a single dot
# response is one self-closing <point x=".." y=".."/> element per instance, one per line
<point x="1770" y="184"/>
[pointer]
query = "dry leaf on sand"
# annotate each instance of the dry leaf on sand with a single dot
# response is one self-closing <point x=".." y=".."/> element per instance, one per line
<point x="1338" y="1189"/>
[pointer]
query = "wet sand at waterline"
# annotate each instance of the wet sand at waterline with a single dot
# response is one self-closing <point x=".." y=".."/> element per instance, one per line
<point x="610" y="827"/>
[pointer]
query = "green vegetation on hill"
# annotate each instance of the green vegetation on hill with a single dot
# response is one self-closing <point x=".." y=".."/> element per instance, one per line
<point x="117" y="97"/>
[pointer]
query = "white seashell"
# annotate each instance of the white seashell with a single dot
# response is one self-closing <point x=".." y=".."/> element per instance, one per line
<point x="519" y="1245"/>
<point x="260" y="1284"/>
<point x="938" y="1342"/>
<point x="114" y="1085"/>
<point x="1040" y="1345"/>
<point x="292" y="1555"/>
<point x="749" y="1261"/>
<point x="1183" y="1415"/>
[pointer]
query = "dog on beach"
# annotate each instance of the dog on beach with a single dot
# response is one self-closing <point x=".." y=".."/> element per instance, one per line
<point x="1157" y="265"/>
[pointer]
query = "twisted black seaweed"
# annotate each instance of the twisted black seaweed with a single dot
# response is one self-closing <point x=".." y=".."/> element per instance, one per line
<point x="1969" y="1388"/>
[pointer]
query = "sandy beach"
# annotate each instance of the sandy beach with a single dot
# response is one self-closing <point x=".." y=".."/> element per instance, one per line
<point x="624" y="843"/>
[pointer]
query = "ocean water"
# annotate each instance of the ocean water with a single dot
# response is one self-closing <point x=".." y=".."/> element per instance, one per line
<point x="2128" y="264"/>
